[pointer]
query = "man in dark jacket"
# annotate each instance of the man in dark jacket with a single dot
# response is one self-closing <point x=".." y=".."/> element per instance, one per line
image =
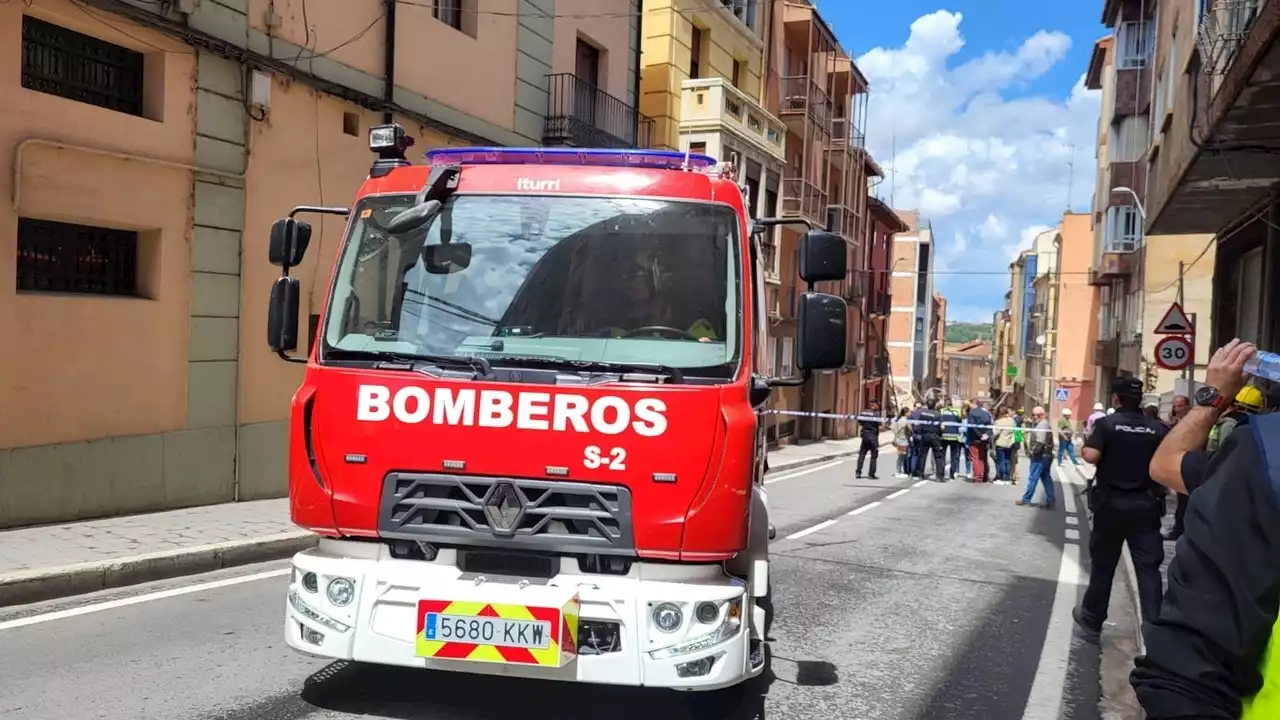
<point x="926" y="429"/>
<point x="978" y="426"/>
<point x="869" y="427"/>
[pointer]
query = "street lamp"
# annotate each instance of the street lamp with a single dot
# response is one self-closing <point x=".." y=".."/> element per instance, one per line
<point x="1137" y="202"/>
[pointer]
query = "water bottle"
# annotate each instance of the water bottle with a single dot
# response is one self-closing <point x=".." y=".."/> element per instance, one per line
<point x="1264" y="365"/>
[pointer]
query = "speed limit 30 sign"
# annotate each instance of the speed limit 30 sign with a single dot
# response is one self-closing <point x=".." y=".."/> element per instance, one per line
<point x="1173" y="352"/>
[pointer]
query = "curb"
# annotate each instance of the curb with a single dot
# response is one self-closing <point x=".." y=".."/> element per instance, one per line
<point x="28" y="586"/>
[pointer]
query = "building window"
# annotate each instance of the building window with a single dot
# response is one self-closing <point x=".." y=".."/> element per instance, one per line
<point x="78" y="67"/>
<point x="1134" y="41"/>
<point x="695" y="53"/>
<point x="698" y="148"/>
<point x="58" y="257"/>
<point x="1124" y="229"/>
<point x="737" y="74"/>
<point x="448" y="12"/>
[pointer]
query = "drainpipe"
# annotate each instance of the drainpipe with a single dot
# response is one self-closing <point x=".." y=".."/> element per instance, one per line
<point x="639" y="38"/>
<point x="389" y="62"/>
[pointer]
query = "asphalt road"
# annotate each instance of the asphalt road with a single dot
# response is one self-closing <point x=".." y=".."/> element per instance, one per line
<point x="895" y="601"/>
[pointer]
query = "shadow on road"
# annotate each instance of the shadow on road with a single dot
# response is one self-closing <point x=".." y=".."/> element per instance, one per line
<point x="407" y="694"/>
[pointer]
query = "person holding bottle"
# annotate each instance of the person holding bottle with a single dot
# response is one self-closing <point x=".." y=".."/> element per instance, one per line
<point x="1213" y="651"/>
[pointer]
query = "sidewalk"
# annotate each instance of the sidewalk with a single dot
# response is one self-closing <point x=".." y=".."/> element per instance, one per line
<point x="53" y="561"/>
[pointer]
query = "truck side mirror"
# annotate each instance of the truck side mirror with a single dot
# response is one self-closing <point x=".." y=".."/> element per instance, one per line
<point x="282" y="315"/>
<point x="821" y="331"/>
<point x="823" y="257"/>
<point x="289" y="240"/>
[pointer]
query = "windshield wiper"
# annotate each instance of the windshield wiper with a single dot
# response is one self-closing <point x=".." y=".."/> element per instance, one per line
<point x="384" y="360"/>
<point x="673" y="373"/>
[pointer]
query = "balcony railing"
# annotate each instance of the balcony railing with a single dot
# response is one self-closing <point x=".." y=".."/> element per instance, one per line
<point x="842" y="221"/>
<point x="1222" y="29"/>
<point x="844" y="133"/>
<point x="714" y="103"/>
<point x="1111" y="266"/>
<point x="855" y="287"/>
<point x="880" y="304"/>
<point x="580" y="114"/>
<point x="801" y="198"/>
<point x="802" y="96"/>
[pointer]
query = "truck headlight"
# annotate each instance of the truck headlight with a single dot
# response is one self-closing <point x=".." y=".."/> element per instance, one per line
<point x="668" y="617"/>
<point x="728" y="629"/>
<point x="341" y="591"/>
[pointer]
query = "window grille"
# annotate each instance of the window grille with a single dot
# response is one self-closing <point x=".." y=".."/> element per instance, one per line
<point x="60" y="257"/>
<point x="79" y="67"/>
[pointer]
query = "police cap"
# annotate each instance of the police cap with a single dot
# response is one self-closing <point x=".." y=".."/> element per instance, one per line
<point x="1127" y="387"/>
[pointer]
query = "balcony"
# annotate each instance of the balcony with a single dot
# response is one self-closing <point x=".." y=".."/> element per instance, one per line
<point x="803" y="99"/>
<point x="803" y="199"/>
<point x="1239" y="61"/>
<point x="842" y="221"/>
<point x="1111" y="267"/>
<point x="880" y="305"/>
<point x="1106" y="353"/>
<point x="1130" y="356"/>
<point x="715" y="105"/>
<point x="580" y="114"/>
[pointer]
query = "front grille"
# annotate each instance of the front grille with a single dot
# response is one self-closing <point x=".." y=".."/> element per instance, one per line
<point x="555" y="516"/>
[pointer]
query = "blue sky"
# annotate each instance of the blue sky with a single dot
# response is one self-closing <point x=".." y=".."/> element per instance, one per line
<point x="982" y="101"/>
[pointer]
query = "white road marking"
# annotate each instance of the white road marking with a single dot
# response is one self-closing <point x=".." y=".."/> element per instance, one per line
<point x="806" y="471"/>
<point x="920" y="483"/>
<point x="1073" y="534"/>
<point x="136" y="599"/>
<point x="898" y="494"/>
<point x="864" y="508"/>
<point x="812" y="530"/>
<point x="1045" y="700"/>
<point x="1071" y="520"/>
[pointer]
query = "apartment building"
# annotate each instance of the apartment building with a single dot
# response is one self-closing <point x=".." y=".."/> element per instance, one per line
<point x="153" y="144"/>
<point x="818" y="92"/>
<point x="1140" y="271"/>
<point x="967" y="371"/>
<point x="1003" y="372"/>
<point x="912" y="334"/>
<point x="1020" y="303"/>
<point x="877" y="376"/>
<point x="1075" y="311"/>
<point x="1216" y="59"/>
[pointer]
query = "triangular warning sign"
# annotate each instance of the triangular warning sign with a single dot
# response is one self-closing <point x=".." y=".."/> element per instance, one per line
<point x="1175" y="322"/>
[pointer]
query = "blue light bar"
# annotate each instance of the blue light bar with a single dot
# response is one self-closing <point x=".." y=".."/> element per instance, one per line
<point x="667" y="159"/>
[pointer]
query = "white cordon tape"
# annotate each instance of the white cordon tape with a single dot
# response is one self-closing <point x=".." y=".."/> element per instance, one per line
<point x="889" y="421"/>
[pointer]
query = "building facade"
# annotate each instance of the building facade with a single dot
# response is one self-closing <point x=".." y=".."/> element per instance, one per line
<point x="1147" y="68"/>
<point x="819" y="94"/>
<point x="1075" y="323"/>
<point x="911" y="325"/>
<point x="937" y="342"/>
<point x="967" y="371"/>
<point x="878" y="372"/>
<point x="152" y="147"/>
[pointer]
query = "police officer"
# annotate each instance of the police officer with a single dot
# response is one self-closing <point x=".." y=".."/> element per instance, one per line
<point x="1127" y="504"/>
<point x="927" y="432"/>
<point x="869" y="426"/>
<point x="951" y="439"/>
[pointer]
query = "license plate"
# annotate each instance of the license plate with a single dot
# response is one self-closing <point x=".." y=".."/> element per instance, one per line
<point x="498" y="632"/>
<point x="501" y="632"/>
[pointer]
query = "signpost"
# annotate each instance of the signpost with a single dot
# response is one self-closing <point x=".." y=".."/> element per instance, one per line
<point x="1174" y="352"/>
<point x="1175" y="322"/>
<point x="1061" y="395"/>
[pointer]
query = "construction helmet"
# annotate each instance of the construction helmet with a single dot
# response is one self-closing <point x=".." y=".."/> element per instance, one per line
<point x="1250" y="398"/>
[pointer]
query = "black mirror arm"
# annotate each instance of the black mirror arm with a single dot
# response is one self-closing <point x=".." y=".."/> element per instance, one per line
<point x="758" y="225"/>
<point x="289" y="358"/>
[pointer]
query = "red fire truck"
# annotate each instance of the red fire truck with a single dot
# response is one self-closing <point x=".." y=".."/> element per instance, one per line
<point x="528" y="432"/>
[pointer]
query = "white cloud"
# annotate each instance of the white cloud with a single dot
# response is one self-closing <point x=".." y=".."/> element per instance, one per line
<point x="979" y="155"/>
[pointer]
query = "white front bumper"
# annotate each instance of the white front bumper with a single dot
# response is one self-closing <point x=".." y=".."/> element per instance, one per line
<point x="380" y="625"/>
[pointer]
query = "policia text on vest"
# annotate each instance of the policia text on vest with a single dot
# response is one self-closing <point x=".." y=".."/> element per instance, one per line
<point x="1214" y="650"/>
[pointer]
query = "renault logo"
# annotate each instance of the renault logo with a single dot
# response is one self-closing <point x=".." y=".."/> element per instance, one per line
<point x="504" y="508"/>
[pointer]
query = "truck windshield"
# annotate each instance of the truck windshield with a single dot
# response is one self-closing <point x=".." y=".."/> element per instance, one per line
<point x="590" y="279"/>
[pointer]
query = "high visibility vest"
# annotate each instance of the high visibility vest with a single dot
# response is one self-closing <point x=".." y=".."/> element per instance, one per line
<point x="1266" y="704"/>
